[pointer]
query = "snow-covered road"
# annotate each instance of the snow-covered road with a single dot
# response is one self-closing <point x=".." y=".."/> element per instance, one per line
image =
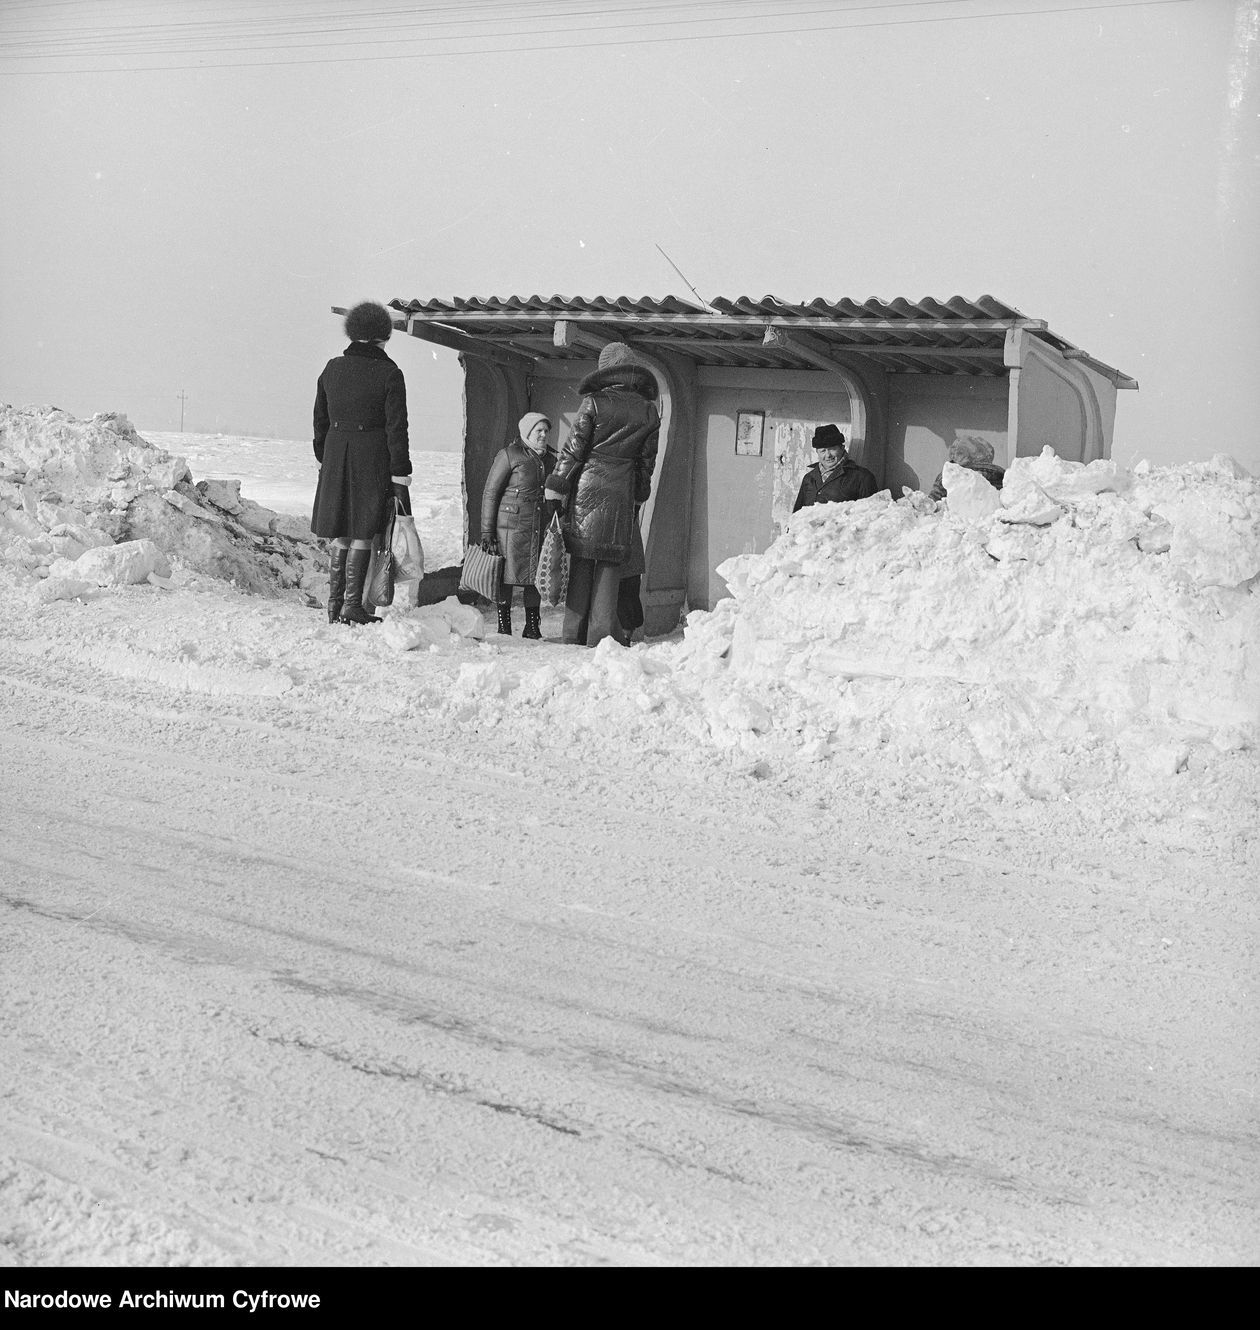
<point x="294" y="983"/>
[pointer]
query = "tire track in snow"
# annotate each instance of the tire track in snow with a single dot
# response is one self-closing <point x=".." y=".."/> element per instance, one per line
<point x="686" y="1056"/>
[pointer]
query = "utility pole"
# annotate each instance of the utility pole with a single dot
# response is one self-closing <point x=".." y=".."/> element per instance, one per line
<point x="183" y="397"/>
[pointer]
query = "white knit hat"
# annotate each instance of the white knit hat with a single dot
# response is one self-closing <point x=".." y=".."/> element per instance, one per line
<point x="529" y="420"/>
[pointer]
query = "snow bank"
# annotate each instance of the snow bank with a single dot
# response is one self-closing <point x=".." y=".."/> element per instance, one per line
<point x="89" y="503"/>
<point x="1088" y="606"/>
<point x="1084" y="624"/>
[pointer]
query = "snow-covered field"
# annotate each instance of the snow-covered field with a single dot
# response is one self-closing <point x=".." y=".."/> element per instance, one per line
<point x="902" y="910"/>
<point x="280" y="474"/>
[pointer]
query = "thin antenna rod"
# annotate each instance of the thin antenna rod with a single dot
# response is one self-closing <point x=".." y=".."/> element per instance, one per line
<point x="691" y="288"/>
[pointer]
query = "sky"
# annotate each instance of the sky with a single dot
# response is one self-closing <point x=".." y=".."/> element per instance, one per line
<point x="189" y="188"/>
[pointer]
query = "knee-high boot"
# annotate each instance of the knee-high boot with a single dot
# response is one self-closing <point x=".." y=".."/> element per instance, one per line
<point x="504" y="603"/>
<point x="336" y="582"/>
<point x="352" y="610"/>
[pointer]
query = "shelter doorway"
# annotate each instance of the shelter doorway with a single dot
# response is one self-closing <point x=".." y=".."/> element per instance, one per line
<point x="793" y="456"/>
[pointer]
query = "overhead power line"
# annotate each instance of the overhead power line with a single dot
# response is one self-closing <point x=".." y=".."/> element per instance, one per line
<point x="91" y="42"/>
<point x="517" y="48"/>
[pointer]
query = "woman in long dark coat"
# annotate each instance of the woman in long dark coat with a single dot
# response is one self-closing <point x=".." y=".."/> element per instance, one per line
<point x="361" y="446"/>
<point x="604" y="471"/>
<point x="512" y="518"/>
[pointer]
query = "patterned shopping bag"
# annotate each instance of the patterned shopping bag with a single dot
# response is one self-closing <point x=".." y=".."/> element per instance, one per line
<point x="552" y="577"/>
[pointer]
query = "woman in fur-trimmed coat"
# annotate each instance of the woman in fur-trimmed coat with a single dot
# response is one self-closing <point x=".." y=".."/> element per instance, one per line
<point x="364" y="461"/>
<point x="514" y="516"/>
<point x="604" y="471"/>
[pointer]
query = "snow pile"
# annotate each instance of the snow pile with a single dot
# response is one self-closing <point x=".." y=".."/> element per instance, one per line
<point x="71" y="490"/>
<point x="65" y="484"/>
<point x="1084" y="624"/>
<point x="1087" y="612"/>
<point x="1081" y="626"/>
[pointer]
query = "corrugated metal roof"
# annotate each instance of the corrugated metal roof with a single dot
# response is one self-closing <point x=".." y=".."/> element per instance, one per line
<point x="952" y="336"/>
<point x="549" y="306"/>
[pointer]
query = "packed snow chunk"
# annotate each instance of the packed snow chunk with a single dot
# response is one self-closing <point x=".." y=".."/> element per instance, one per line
<point x="70" y="540"/>
<point x="1062" y="481"/>
<point x="969" y="496"/>
<point x="225" y="494"/>
<point x="484" y="680"/>
<point x="65" y="588"/>
<point x="190" y="506"/>
<point x="18" y="522"/>
<point x="121" y="565"/>
<point x="170" y="471"/>
<point x="1228" y="467"/>
<point x="465" y="620"/>
<point x="406" y="632"/>
<point x="254" y="517"/>
<point x="426" y="627"/>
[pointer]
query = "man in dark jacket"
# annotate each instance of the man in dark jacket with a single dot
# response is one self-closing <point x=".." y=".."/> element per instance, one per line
<point x="604" y="471"/>
<point x="835" y="477"/>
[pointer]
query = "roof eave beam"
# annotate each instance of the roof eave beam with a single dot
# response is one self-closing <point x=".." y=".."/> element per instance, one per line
<point x="453" y="340"/>
<point x="609" y="318"/>
<point x="936" y="352"/>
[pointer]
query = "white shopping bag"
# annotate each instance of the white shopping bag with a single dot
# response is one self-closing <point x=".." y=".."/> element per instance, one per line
<point x="408" y="562"/>
<point x="408" y="551"/>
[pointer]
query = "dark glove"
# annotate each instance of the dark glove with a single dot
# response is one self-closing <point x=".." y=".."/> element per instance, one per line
<point x="550" y="508"/>
<point x="490" y="544"/>
<point x="403" y="495"/>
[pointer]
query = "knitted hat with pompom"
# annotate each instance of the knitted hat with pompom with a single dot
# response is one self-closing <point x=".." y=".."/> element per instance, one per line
<point x="369" y="322"/>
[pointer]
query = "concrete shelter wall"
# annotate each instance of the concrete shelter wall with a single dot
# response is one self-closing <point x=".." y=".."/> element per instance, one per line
<point x="1058" y="403"/>
<point x="1104" y="394"/>
<point x="927" y="412"/>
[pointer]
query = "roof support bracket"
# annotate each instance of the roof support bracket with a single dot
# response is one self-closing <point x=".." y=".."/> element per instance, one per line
<point x="800" y="344"/>
<point x="570" y="336"/>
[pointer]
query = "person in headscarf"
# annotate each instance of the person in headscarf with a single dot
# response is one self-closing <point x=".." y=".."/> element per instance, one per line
<point x="364" y="462"/>
<point x="514" y="517"/>
<point x="975" y="454"/>
<point x="835" y="477"/>
<point x="604" y="471"/>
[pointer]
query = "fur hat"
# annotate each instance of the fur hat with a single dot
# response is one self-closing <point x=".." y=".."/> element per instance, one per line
<point x="827" y="436"/>
<point x="617" y="353"/>
<point x="529" y="420"/>
<point x="369" y="322"/>
<point x="970" y="450"/>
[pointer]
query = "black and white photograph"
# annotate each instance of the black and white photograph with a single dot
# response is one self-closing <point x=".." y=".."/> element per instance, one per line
<point x="553" y="718"/>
